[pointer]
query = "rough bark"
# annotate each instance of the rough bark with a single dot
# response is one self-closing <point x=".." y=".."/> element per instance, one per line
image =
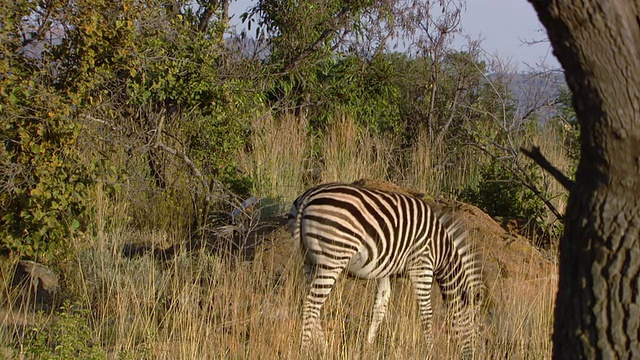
<point x="598" y="305"/>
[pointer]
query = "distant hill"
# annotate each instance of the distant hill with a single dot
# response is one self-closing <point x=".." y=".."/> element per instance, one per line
<point x="535" y="93"/>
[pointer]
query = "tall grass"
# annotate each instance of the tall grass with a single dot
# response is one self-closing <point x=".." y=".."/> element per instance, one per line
<point x="279" y="158"/>
<point x="520" y="323"/>
<point x="550" y="140"/>
<point x="204" y="305"/>
<point x="349" y="152"/>
<point x="423" y="173"/>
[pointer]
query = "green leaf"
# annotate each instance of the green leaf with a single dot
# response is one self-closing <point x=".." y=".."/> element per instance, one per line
<point x="75" y="225"/>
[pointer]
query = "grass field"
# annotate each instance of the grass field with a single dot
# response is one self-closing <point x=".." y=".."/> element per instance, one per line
<point x="203" y="305"/>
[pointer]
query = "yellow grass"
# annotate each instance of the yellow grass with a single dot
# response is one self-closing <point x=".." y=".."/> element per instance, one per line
<point x="280" y="156"/>
<point x="202" y="306"/>
<point x="350" y="153"/>
<point x="549" y="139"/>
<point x="424" y="173"/>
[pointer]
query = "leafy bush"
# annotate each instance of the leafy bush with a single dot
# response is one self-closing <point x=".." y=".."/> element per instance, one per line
<point x="69" y="337"/>
<point x="44" y="199"/>
<point x="500" y="193"/>
<point x="43" y="186"/>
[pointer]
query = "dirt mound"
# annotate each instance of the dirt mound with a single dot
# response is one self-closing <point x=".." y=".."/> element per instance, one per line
<point x="506" y="254"/>
<point x="387" y="186"/>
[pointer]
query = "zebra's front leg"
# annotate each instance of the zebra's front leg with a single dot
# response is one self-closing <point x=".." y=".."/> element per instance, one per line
<point x="324" y="279"/>
<point x="379" y="307"/>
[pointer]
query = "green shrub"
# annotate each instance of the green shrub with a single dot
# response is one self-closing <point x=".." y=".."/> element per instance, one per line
<point x="68" y="337"/>
<point x="500" y="193"/>
<point x="44" y="187"/>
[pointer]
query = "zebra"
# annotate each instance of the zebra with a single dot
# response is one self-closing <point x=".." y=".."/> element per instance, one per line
<point x="374" y="234"/>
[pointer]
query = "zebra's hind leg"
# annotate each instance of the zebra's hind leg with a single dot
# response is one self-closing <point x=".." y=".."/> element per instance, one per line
<point x="421" y="276"/>
<point x="324" y="279"/>
<point x="379" y="307"/>
<point x="309" y="269"/>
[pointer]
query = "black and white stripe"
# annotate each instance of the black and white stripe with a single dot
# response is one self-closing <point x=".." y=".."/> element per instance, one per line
<point x="373" y="234"/>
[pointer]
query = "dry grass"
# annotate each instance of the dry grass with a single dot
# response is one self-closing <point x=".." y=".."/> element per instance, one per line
<point x="349" y="153"/>
<point x="278" y="160"/>
<point x="521" y="322"/>
<point x="200" y="305"/>
<point x="549" y="139"/>
<point x="423" y="172"/>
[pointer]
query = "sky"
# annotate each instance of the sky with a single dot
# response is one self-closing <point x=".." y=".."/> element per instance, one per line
<point x="502" y="25"/>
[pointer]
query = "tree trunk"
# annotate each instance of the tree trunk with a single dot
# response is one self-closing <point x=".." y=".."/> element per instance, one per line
<point x="598" y="305"/>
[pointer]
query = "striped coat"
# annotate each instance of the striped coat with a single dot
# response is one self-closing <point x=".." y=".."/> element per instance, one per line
<point x="374" y="234"/>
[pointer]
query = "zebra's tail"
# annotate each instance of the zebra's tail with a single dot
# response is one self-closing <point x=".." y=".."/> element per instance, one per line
<point x="293" y="220"/>
<point x="295" y="214"/>
<point x="294" y="223"/>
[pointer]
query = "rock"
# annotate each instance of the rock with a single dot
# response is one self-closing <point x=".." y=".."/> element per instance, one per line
<point x="38" y="282"/>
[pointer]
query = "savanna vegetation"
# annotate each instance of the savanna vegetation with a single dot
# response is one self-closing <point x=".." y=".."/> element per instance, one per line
<point x="146" y="125"/>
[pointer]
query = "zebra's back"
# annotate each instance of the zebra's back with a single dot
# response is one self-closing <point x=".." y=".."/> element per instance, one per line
<point x="379" y="231"/>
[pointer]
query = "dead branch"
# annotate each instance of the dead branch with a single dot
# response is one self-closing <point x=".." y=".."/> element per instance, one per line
<point x="535" y="155"/>
<point x="526" y="182"/>
<point x="192" y="166"/>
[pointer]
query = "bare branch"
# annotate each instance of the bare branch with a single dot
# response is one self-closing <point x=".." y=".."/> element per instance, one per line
<point x="529" y="185"/>
<point x="526" y="182"/>
<point x="192" y="166"/>
<point x="535" y="155"/>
